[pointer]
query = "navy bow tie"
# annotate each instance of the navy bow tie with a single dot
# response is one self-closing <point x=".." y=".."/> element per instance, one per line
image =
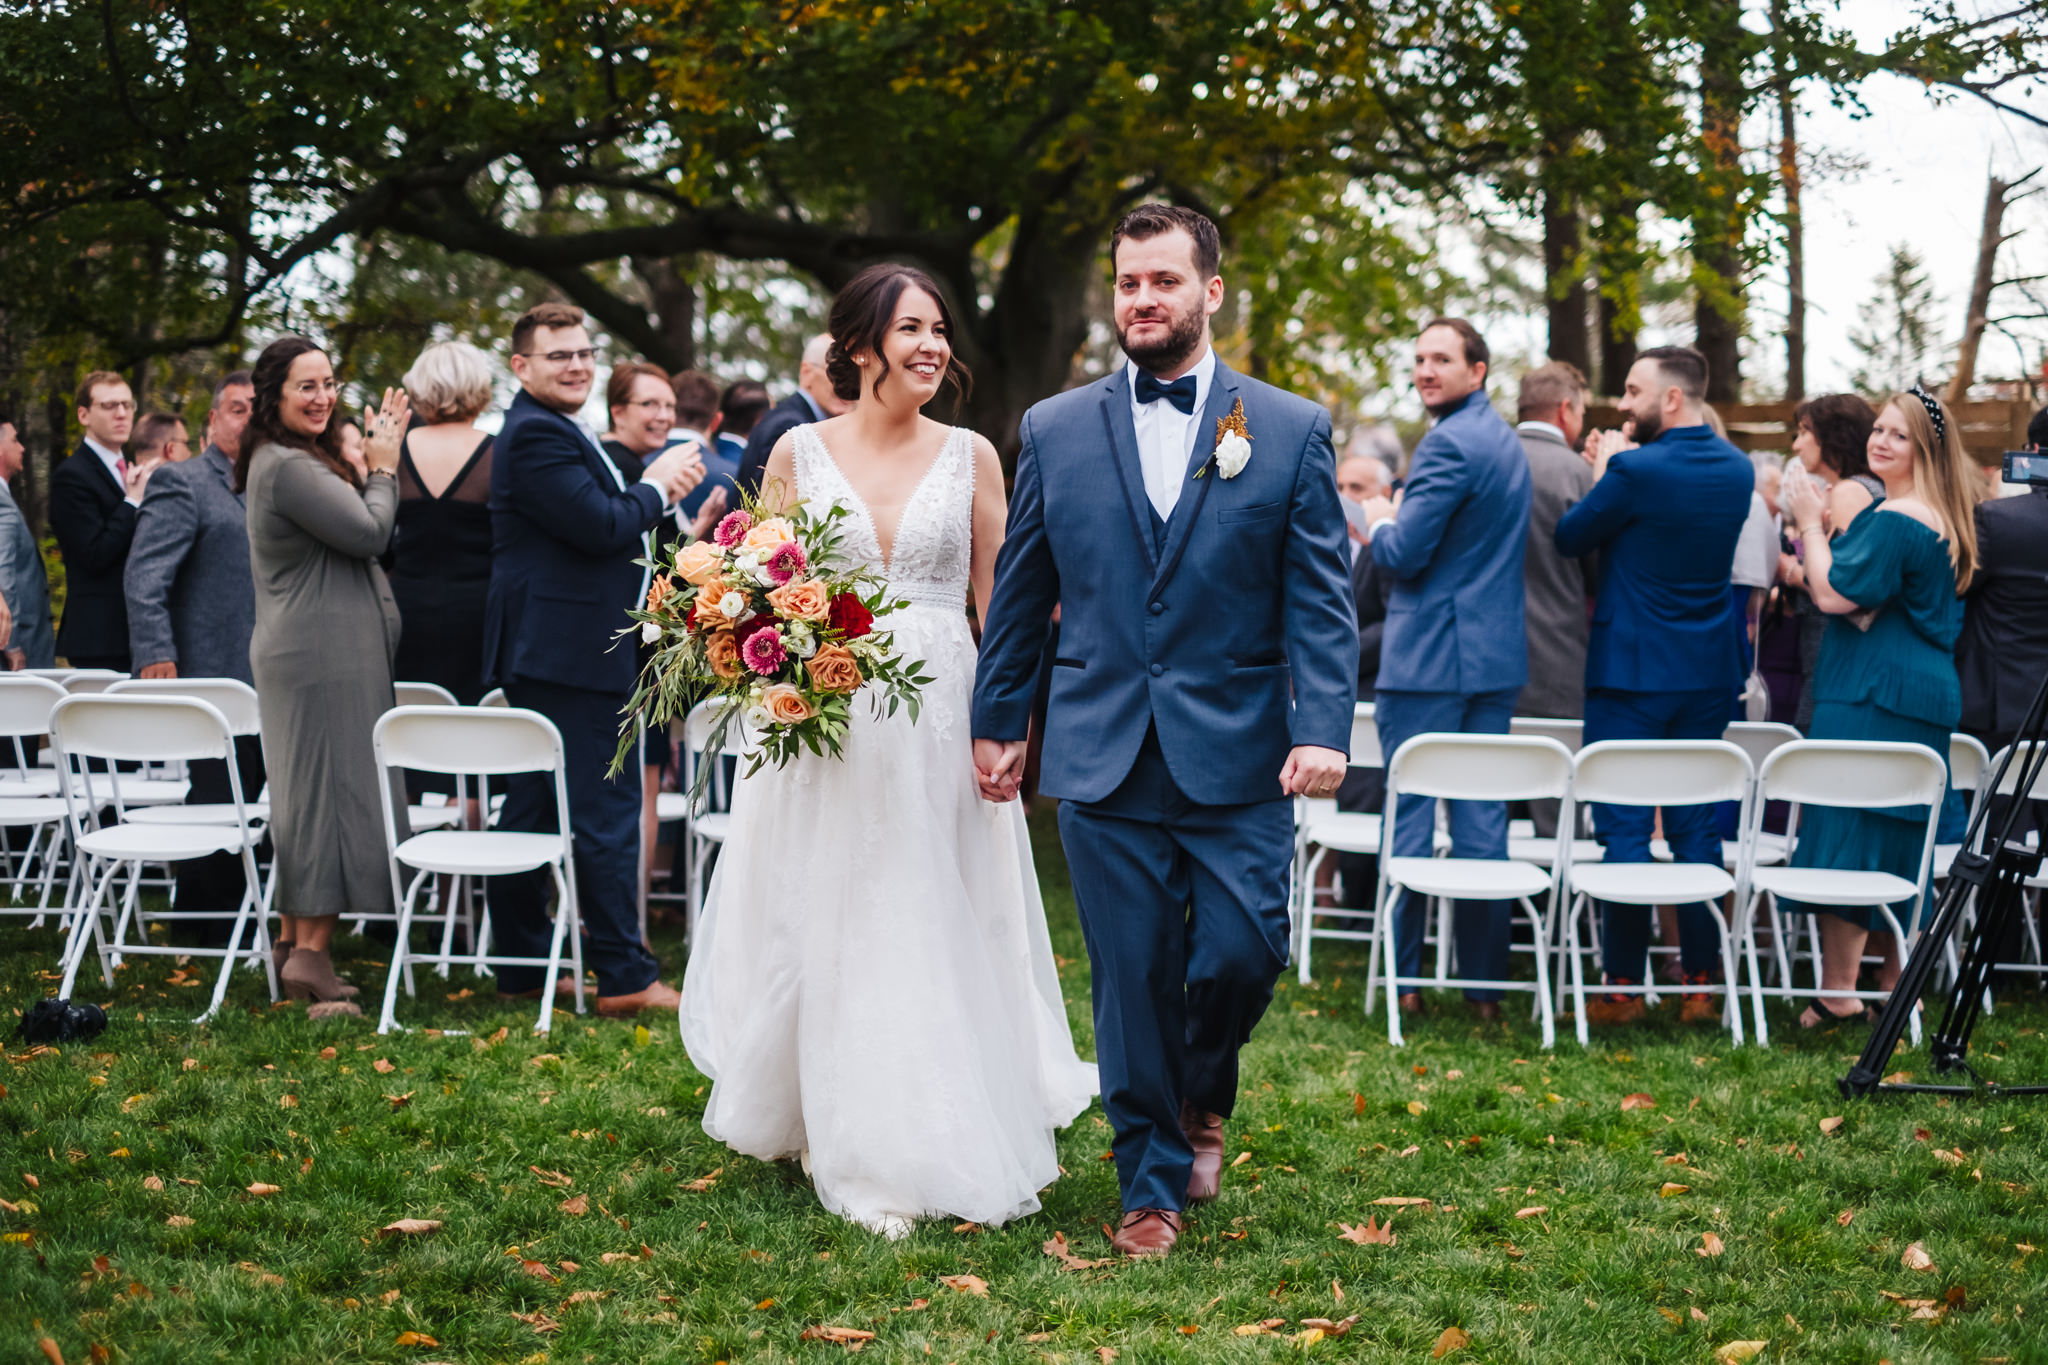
<point x="1180" y="393"/>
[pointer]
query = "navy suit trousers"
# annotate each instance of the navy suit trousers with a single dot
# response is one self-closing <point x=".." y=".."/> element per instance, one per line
<point x="1479" y="829"/>
<point x="1625" y="830"/>
<point x="604" y="817"/>
<point x="1184" y="907"/>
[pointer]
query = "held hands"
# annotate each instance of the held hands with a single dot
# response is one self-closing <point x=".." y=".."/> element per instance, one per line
<point x="384" y="431"/>
<point x="165" y="669"/>
<point x="677" y="470"/>
<point x="1603" y="446"/>
<point x="1312" y="771"/>
<point x="999" y="768"/>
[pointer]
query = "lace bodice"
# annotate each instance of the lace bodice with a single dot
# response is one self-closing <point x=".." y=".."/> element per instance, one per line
<point x="934" y="548"/>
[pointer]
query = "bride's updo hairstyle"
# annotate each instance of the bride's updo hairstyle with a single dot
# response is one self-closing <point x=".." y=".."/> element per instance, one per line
<point x="862" y="315"/>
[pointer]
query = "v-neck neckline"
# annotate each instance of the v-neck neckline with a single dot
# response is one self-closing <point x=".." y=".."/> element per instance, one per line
<point x="917" y="491"/>
<point x="461" y="472"/>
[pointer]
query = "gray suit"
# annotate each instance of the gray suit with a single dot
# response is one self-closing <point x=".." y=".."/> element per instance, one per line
<point x="26" y="586"/>
<point x="191" y="600"/>
<point x="1558" y="589"/>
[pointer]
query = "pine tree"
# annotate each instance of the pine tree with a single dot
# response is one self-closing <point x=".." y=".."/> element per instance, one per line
<point x="1896" y="338"/>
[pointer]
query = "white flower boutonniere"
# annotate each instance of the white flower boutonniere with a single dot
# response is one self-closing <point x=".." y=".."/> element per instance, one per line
<point x="1233" y="448"/>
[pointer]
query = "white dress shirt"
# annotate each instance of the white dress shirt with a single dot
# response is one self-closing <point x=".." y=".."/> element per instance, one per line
<point x="117" y="465"/>
<point x="1544" y="428"/>
<point x="1166" y="439"/>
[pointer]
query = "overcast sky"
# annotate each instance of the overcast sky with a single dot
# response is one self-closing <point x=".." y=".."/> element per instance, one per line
<point x="1924" y="183"/>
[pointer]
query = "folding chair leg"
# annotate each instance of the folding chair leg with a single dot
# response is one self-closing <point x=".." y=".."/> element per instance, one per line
<point x="1393" y="973"/>
<point x="227" y="962"/>
<point x="86" y="922"/>
<point x="563" y="915"/>
<point x="1577" y="956"/>
<point x="1543" y="1002"/>
<point x="388" y="1018"/>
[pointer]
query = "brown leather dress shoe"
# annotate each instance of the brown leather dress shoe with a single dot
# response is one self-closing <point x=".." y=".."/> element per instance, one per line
<point x="1410" y="1002"/>
<point x="1147" y="1232"/>
<point x="659" y="995"/>
<point x="1205" y="1134"/>
<point x="1486" y="1011"/>
<point x="1611" y="1010"/>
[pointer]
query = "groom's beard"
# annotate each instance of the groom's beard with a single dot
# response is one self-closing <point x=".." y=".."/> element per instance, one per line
<point x="1183" y="339"/>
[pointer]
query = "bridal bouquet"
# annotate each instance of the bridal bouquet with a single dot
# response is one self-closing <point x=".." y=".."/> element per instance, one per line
<point x="767" y="618"/>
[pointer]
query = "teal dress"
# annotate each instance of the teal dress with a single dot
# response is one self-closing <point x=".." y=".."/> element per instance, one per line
<point x="1892" y="678"/>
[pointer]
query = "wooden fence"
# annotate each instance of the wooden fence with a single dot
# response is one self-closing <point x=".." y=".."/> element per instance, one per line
<point x="1989" y="429"/>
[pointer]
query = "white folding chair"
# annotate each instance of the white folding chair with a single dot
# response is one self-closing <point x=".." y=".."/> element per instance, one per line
<point x="1524" y="843"/>
<point x="1321" y="830"/>
<point x="1856" y="775"/>
<point x="149" y="729"/>
<point x="1759" y="739"/>
<point x="81" y="682"/>
<point x="494" y="697"/>
<point x="708" y="828"/>
<point x="2037" y="961"/>
<point x="1654" y="772"/>
<point x="469" y="741"/>
<point x="29" y="796"/>
<point x="1969" y="768"/>
<point x="1471" y="768"/>
<point x="423" y="694"/>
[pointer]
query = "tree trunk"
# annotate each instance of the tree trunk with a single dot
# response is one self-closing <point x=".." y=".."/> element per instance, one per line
<point x="1564" y="280"/>
<point x="672" y="299"/>
<point x="1039" y="319"/>
<point x="1717" y="222"/>
<point x="1989" y="239"/>
<point x="1795" y="227"/>
<point x="1620" y="297"/>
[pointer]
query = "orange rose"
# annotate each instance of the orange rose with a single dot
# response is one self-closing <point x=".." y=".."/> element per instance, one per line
<point x="785" y="705"/>
<point x="658" y="591"/>
<point x="768" y="534"/>
<point x="833" y="669"/>
<point x="707" y="616"/>
<point x="699" y="562"/>
<point x="722" y="655"/>
<point x="802" y="600"/>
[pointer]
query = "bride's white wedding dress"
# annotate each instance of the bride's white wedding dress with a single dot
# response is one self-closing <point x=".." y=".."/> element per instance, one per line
<point x="871" y="987"/>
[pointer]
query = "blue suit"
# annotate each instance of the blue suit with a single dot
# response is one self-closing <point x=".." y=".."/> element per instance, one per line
<point x="1193" y="655"/>
<point x="1455" y="653"/>
<point x="564" y="538"/>
<point x="1663" y="662"/>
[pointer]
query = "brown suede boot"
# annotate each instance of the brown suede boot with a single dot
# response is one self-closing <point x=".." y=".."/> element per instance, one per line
<point x="1147" y="1232"/>
<point x="1205" y="1134"/>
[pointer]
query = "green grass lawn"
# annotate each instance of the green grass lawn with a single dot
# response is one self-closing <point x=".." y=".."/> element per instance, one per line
<point x="126" y="1164"/>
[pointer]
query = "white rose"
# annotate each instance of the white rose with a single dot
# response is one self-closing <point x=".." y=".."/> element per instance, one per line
<point x="650" y="633"/>
<point x="799" y="640"/>
<point x="1233" y="452"/>
<point x="731" y="605"/>
<point x="757" y="717"/>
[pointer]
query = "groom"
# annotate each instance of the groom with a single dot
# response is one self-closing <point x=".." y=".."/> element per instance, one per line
<point x="1206" y="673"/>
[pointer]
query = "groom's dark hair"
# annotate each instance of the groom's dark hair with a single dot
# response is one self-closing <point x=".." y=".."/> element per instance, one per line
<point x="1151" y="220"/>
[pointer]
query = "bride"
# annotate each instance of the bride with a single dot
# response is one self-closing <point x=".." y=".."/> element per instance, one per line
<point x="872" y="988"/>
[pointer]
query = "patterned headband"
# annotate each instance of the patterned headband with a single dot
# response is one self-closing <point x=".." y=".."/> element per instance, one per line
<point x="1933" y="406"/>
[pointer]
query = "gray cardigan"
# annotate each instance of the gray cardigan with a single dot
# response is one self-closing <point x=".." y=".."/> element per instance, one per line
<point x="26" y="585"/>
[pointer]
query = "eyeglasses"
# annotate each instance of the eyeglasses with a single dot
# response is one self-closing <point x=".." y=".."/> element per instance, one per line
<point x="115" y="405"/>
<point x="588" y="353"/>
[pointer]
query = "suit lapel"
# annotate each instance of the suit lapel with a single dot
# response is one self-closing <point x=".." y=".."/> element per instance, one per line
<point x="1188" y="508"/>
<point x="101" y="465"/>
<point x="1123" y="442"/>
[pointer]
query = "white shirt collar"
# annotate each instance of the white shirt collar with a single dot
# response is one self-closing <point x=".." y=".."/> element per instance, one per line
<point x="1204" y="371"/>
<point x="114" y="456"/>
<point x="1547" y="428"/>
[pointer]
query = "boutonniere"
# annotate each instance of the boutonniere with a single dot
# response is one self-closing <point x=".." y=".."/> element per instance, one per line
<point x="1233" y="448"/>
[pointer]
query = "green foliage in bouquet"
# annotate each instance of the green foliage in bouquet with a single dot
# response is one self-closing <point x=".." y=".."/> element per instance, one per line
<point x="768" y="619"/>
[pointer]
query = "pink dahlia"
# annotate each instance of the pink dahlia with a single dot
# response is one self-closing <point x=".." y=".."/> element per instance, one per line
<point x="732" y="529"/>
<point x="785" y="562"/>
<point x="763" y="652"/>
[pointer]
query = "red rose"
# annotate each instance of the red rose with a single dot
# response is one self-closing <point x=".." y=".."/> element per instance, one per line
<point x="850" y="618"/>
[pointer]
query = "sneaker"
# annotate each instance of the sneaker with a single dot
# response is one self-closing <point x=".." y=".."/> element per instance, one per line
<point x="1609" y="1010"/>
<point x="1699" y="1007"/>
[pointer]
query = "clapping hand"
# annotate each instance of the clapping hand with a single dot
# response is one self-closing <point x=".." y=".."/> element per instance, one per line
<point x="1378" y="510"/>
<point x="1603" y="446"/>
<point x="1802" y="496"/>
<point x="384" y="432"/>
<point x="678" y="469"/>
<point x="708" y="513"/>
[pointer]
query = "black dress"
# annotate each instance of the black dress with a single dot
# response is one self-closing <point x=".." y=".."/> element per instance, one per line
<point x="440" y="568"/>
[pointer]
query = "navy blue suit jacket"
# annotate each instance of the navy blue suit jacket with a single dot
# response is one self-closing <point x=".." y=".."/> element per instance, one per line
<point x="564" y="538"/>
<point x="1454" y="621"/>
<point x="1667" y="515"/>
<point x="1232" y="633"/>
